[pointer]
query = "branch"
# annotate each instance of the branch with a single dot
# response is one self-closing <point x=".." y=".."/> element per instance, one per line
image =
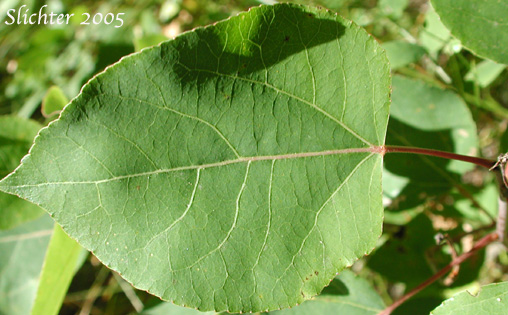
<point x="489" y="238"/>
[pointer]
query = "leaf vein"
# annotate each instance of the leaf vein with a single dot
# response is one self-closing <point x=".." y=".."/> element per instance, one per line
<point x="189" y="205"/>
<point x="319" y="212"/>
<point x="314" y="106"/>
<point x="237" y="210"/>
<point x="374" y="149"/>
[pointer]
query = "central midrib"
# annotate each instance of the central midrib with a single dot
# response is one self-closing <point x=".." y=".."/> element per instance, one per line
<point x="373" y="149"/>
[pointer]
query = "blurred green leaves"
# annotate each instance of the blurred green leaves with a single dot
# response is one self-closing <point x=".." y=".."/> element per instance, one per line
<point x="16" y="136"/>
<point x="481" y="25"/>
<point x="60" y="264"/>
<point x="492" y="299"/>
<point x="401" y="54"/>
<point x="23" y="250"/>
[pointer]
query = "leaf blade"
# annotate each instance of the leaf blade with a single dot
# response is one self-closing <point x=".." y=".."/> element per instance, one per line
<point x="230" y="119"/>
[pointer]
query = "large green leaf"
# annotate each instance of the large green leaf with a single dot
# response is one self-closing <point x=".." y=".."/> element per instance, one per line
<point x="481" y="25"/>
<point x="22" y="254"/>
<point x="16" y="136"/>
<point x="492" y="299"/>
<point x="233" y="168"/>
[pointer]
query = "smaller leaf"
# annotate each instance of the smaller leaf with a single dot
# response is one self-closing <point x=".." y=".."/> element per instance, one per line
<point x="492" y="299"/>
<point x="54" y="101"/>
<point x="435" y="35"/>
<point x="57" y="272"/>
<point x="402" y="53"/>
<point x="485" y="72"/>
<point x="480" y="25"/>
<point x="22" y="254"/>
<point x="487" y="197"/>
<point x="148" y="41"/>
<point x="393" y="8"/>
<point x="169" y="10"/>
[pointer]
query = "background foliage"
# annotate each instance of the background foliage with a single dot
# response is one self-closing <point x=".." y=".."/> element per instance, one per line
<point x="444" y="97"/>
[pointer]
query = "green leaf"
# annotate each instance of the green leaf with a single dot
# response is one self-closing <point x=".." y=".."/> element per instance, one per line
<point x="23" y="250"/>
<point x="393" y="8"/>
<point x="485" y="72"/>
<point x="435" y="35"/>
<point x="346" y="294"/>
<point x="233" y="168"/>
<point x="148" y="40"/>
<point x="427" y="117"/>
<point x="402" y="53"/>
<point x="57" y="272"/>
<point x="16" y="136"/>
<point x="487" y="197"/>
<point x="54" y="101"/>
<point x="492" y="299"/>
<point x="481" y="25"/>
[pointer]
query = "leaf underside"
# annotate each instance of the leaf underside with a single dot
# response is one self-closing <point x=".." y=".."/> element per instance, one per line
<point x="229" y="169"/>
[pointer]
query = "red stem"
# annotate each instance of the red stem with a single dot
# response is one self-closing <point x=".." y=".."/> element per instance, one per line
<point x="442" y="154"/>
<point x="486" y="240"/>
